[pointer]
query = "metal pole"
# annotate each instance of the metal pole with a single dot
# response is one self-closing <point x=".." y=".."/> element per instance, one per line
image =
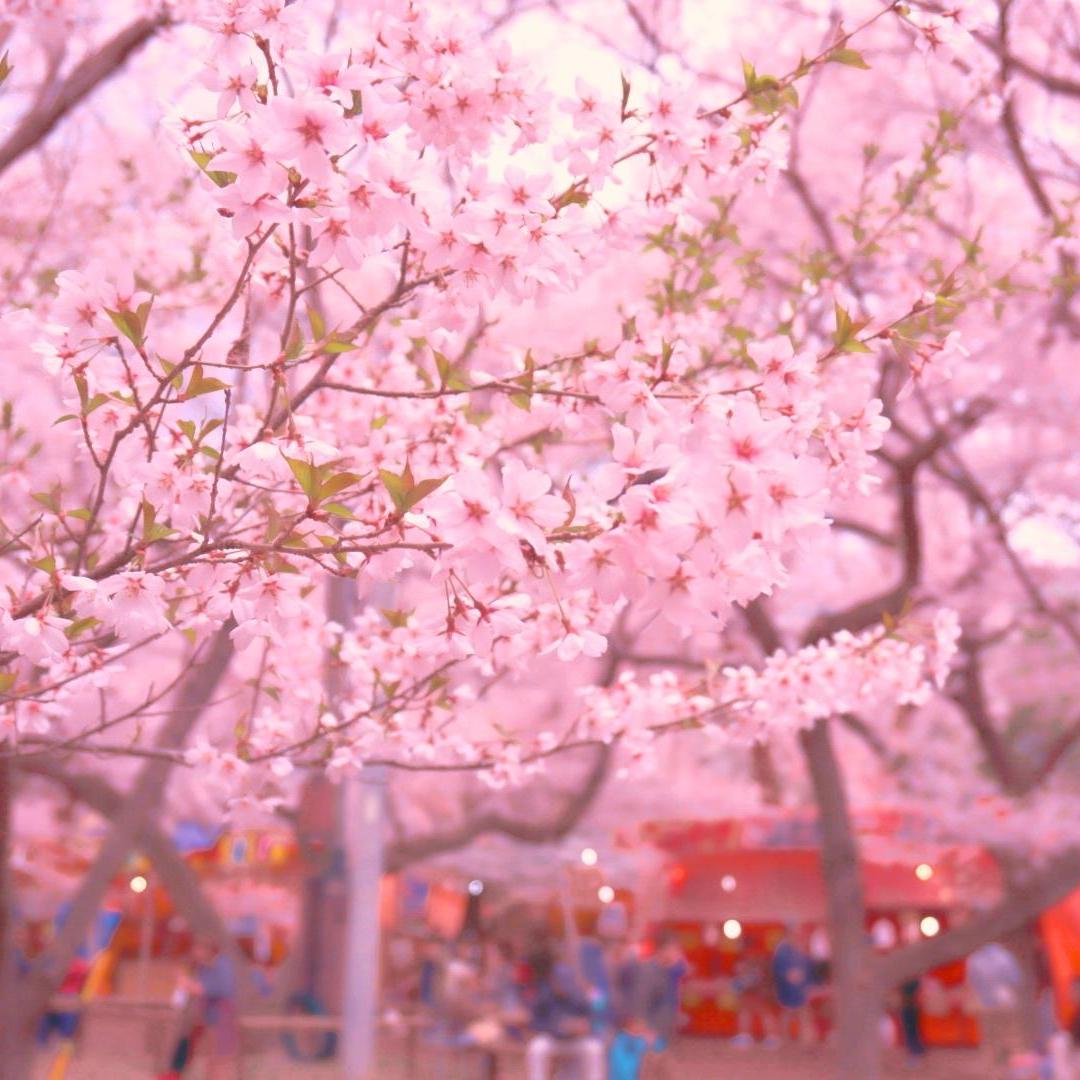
<point x="362" y="817"/>
<point x="363" y="813"/>
<point x="146" y="937"/>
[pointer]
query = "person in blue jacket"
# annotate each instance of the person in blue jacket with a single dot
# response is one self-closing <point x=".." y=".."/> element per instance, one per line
<point x="560" y="1014"/>
<point x="792" y="979"/>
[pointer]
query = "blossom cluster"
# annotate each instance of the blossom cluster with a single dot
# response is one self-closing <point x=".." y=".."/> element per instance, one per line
<point x="358" y="351"/>
<point x="865" y="674"/>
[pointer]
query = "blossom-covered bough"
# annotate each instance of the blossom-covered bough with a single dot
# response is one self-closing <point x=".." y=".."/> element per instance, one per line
<point x="552" y="372"/>
<point x="336" y="398"/>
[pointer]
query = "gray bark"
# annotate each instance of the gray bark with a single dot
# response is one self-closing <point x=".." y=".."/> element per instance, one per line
<point x="857" y="992"/>
<point x="139" y="806"/>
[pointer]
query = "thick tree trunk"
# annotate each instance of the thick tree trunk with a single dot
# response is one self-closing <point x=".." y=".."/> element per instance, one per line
<point x="15" y="1053"/>
<point x="139" y="806"/>
<point x="857" y="992"/>
<point x="185" y="890"/>
<point x="1023" y="943"/>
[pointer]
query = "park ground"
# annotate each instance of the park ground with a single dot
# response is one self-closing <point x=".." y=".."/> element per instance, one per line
<point x="118" y="1050"/>
<point x="130" y="1046"/>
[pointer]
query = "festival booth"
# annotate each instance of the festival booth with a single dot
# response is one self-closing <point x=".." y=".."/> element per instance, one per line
<point x="1060" y="927"/>
<point x="731" y="889"/>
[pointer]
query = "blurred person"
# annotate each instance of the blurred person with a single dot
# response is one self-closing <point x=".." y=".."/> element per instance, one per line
<point x="911" y="1020"/>
<point x="674" y="968"/>
<point x="820" y="1001"/>
<point x="662" y="1011"/>
<point x="461" y="1003"/>
<point x="753" y="989"/>
<point x="498" y="1012"/>
<point x="559" y="1018"/>
<point x="1044" y="994"/>
<point x="792" y="979"/>
<point x="1064" y="1044"/>
<point x="994" y="978"/>
<point x="66" y="1023"/>
<point x="602" y="959"/>
<point x="500" y="980"/>
<point x="651" y="987"/>
<point x="1069" y="1047"/>
<point x="211" y="986"/>
<point x="188" y="1025"/>
<point x="429" y="974"/>
<point x="630" y="1041"/>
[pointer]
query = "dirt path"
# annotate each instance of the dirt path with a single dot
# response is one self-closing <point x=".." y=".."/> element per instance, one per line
<point x="119" y="1050"/>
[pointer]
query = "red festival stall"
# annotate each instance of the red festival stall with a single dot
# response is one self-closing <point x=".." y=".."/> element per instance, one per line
<point x="731" y="889"/>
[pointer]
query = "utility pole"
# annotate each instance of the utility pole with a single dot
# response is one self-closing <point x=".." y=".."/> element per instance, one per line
<point x="361" y="837"/>
<point x="363" y="813"/>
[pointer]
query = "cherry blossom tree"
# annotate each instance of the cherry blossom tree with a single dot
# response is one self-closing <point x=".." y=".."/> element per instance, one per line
<point x="558" y="366"/>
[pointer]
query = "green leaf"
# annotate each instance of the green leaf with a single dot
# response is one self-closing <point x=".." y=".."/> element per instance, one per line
<point x="396" y="488"/>
<point x="142" y="315"/>
<point x="295" y="343"/>
<point x="337" y="483"/>
<point x="338" y="510"/>
<point x="850" y="57"/>
<point x="523" y="398"/>
<point x="47" y="564"/>
<point x="49" y="499"/>
<point x="844" y="337"/>
<point x="404" y="492"/>
<point x="203" y="159"/>
<point x="766" y="92"/>
<point x="127" y="322"/>
<point x="575" y="195"/>
<point x="854" y="345"/>
<point x="318" y="326"/>
<point x="152" y="529"/>
<point x="450" y="376"/>
<point x="339" y="343"/>
<point x="306" y="477"/>
<point x="424" y="488"/>
<point x="77" y="626"/>
<point x="177" y="380"/>
<point x="6" y="68"/>
<point x="200" y="384"/>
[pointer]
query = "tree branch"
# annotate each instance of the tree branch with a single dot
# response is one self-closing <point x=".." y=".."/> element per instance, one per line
<point x="970" y="696"/>
<point x="137" y="807"/>
<point x="1040" y="891"/>
<point x="182" y="885"/>
<point x="865" y="613"/>
<point x="409" y="850"/>
<point x="86" y="77"/>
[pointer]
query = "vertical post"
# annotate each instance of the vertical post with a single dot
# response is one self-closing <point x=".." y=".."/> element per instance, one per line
<point x="9" y="1030"/>
<point x="362" y="823"/>
<point x="363" y="813"/>
<point x="146" y="937"/>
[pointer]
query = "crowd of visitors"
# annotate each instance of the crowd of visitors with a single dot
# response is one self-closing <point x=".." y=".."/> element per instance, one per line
<point x="606" y="1006"/>
<point x="605" y="1003"/>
